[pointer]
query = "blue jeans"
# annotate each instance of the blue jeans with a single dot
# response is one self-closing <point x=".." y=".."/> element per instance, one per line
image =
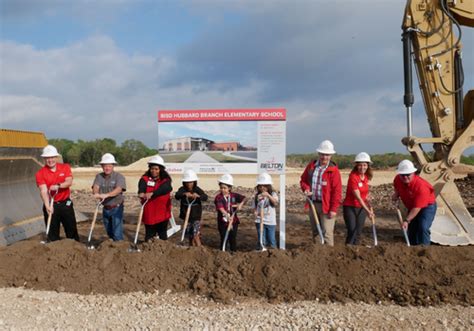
<point x="113" y="222"/>
<point x="268" y="235"/>
<point x="419" y="232"/>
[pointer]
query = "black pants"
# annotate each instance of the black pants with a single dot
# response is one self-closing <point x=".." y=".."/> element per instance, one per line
<point x="63" y="213"/>
<point x="354" y="218"/>
<point x="160" y="228"/>
<point x="232" y="240"/>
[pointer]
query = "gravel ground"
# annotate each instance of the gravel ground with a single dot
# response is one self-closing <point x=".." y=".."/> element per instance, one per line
<point x="23" y="309"/>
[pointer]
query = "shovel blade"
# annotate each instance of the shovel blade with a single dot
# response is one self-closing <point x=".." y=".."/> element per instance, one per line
<point x="374" y="232"/>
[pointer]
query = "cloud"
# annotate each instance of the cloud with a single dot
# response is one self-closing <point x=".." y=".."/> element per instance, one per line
<point x="336" y="66"/>
<point x="313" y="50"/>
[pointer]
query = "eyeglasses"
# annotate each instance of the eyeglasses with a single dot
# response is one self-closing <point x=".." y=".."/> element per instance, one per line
<point x="405" y="175"/>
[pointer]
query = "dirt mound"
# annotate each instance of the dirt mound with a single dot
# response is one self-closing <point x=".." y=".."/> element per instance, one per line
<point x="416" y="276"/>
<point x="391" y="272"/>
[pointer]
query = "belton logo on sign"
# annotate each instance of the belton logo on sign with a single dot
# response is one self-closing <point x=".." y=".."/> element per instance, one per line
<point x="271" y="165"/>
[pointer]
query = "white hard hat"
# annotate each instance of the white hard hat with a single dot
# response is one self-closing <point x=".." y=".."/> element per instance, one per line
<point x="189" y="176"/>
<point x="107" y="158"/>
<point x="157" y="160"/>
<point x="264" y="179"/>
<point x="226" y="179"/>
<point x="50" y="151"/>
<point x="363" y="157"/>
<point x="406" y="167"/>
<point x="326" y="147"/>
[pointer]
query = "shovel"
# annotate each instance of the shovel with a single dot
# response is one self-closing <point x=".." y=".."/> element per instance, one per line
<point x="229" y="226"/>
<point x="89" y="245"/>
<point x="374" y="232"/>
<point x="186" y="219"/>
<point x="50" y="216"/>
<point x="134" y="246"/>
<point x="262" y="213"/>
<point x="400" y="220"/>
<point x="315" y="214"/>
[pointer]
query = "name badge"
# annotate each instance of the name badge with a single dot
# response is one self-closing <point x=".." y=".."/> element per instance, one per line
<point x="68" y="203"/>
<point x="150" y="183"/>
<point x="360" y="184"/>
<point x="323" y="183"/>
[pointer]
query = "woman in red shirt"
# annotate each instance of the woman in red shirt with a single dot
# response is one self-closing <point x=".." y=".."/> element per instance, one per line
<point x="155" y="187"/>
<point x="355" y="206"/>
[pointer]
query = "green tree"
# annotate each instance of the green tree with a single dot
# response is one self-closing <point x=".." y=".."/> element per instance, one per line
<point x="63" y="146"/>
<point x="132" y="150"/>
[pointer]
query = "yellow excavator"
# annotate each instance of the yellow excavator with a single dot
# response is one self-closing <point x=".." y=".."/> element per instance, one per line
<point x="432" y="41"/>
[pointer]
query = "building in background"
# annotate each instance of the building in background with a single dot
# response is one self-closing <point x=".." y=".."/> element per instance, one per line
<point x="184" y="144"/>
<point x="226" y="146"/>
<point x="187" y="144"/>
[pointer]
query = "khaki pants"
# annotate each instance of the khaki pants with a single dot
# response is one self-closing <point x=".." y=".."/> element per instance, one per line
<point x="327" y="224"/>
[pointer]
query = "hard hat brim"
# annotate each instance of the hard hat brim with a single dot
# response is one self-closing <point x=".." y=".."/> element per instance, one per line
<point x="324" y="151"/>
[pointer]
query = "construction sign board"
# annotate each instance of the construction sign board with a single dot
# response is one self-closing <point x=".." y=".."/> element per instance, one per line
<point x="218" y="141"/>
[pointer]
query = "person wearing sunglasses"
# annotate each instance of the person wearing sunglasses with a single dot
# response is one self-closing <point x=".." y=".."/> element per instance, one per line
<point x="418" y="197"/>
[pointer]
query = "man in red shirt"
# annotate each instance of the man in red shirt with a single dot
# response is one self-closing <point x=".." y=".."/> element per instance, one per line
<point x="321" y="181"/>
<point x="418" y="197"/>
<point x="53" y="181"/>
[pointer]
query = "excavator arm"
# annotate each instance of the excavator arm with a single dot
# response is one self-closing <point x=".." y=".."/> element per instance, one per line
<point x="432" y="41"/>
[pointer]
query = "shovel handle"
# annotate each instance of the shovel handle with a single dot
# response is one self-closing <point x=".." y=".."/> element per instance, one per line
<point x="96" y="211"/>
<point x="50" y="214"/>
<point x="400" y="220"/>
<point x="186" y="220"/>
<point x="140" y="216"/>
<point x="316" y="218"/>
<point x="230" y="225"/>
<point x="262" y="215"/>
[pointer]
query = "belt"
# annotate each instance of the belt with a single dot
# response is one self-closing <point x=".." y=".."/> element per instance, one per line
<point x="112" y="206"/>
<point x="60" y="202"/>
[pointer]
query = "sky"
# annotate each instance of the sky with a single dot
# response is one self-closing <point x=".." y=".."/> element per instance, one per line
<point x="92" y="69"/>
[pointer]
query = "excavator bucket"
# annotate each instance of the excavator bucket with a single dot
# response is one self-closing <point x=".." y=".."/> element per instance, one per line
<point x="20" y="204"/>
<point x="453" y="224"/>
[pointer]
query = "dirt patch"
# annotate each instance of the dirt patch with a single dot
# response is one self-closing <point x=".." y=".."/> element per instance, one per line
<point x="395" y="273"/>
<point x="390" y="272"/>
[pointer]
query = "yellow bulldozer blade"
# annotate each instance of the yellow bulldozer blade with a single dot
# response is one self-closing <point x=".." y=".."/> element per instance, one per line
<point x="453" y="224"/>
<point x="20" y="204"/>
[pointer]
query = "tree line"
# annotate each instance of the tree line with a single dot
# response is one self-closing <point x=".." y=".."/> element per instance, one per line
<point x="87" y="153"/>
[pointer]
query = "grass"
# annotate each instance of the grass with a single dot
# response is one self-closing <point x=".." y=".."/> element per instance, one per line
<point x="176" y="158"/>
<point x="226" y="159"/>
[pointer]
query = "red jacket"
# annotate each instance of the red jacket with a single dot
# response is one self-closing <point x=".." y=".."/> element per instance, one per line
<point x="157" y="209"/>
<point x="331" y="192"/>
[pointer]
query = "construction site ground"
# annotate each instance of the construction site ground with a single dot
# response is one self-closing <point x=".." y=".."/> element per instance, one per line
<point x="171" y="285"/>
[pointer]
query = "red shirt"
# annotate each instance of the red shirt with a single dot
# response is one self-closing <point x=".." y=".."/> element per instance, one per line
<point x="417" y="194"/>
<point x="356" y="183"/>
<point x="45" y="176"/>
